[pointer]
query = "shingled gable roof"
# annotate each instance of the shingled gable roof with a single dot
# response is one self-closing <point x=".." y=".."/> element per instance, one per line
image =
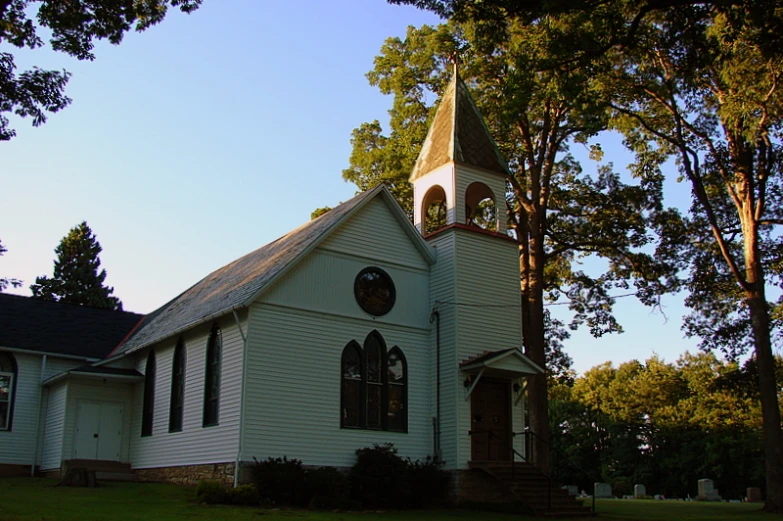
<point x="61" y="329"/>
<point x="458" y="134"/>
<point x="241" y="282"/>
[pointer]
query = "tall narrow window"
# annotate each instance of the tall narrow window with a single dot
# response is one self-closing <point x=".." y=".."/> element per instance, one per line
<point x="351" y="390"/>
<point x="396" y="415"/>
<point x="148" y="407"/>
<point x="374" y="384"/>
<point x="7" y="384"/>
<point x="177" y="387"/>
<point x="212" y="378"/>
<point x="373" y="352"/>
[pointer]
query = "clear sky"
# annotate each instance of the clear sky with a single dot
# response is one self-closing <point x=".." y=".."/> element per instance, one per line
<point x="212" y="134"/>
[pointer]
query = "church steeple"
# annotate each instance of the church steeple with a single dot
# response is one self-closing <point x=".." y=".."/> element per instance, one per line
<point x="458" y="134"/>
<point x="459" y="166"/>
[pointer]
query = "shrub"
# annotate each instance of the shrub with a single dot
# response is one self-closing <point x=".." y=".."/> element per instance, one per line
<point x="327" y="488"/>
<point x="429" y="483"/>
<point x="379" y="478"/>
<point x="243" y="495"/>
<point x="211" y="492"/>
<point x="281" y="481"/>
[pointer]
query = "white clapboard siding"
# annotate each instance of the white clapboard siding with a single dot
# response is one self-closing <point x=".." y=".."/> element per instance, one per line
<point x="96" y="390"/>
<point x="374" y="233"/>
<point x="323" y="282"/>
<point x="194" y="444"/>
<point x="292" y="405"/>
<point x="17" y="446"/>
<point x="487" y="274"/>
<point x="53" y="425"/>
<point x="442" y="294"/>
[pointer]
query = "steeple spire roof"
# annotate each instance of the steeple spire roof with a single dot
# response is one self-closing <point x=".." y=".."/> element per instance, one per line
<point x="458" y="133"/>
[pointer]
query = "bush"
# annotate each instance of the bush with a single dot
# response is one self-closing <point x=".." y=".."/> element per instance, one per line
<point x="243" y="495"/>
<point x="327" y="488"/>
<point x="211" y="492"/>
<point x="429" y="483"/>
<point x="379" y="478"/>
<point x="281" y="481"/>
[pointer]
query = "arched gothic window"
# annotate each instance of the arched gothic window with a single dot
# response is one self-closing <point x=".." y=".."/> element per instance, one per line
<point x="374" y="386"/>
<point x="397" y="387"/>
<point x="351" y="389"/>
<point x="148" y="407"/>
<point x="177" y="387"/>
<point x="212" y="378"/>
<point x="8" y="373"/>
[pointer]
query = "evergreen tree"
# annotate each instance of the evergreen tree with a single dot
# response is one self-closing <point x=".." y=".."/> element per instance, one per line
<point x="6" y="281"/>
<point x="77" y="279"/>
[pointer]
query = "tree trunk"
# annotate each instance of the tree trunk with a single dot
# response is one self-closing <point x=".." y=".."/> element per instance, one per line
<point x="773" y="448"/>
<point x="534" y="348"/>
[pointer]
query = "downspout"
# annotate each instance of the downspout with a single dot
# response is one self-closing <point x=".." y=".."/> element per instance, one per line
<point x="241" y="399"/>
<point x="435" y="316"/>
<point x="41" y="415"/>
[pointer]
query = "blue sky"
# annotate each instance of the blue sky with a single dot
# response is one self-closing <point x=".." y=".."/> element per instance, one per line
<point x="212" y="134"/>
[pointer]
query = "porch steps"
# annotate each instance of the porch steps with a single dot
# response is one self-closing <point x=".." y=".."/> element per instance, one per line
<point x="104" y="470"/>
<point x="532" y="488"/>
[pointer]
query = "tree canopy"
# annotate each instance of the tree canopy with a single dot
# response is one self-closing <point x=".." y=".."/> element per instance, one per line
<point x="663" y="425"/>
<point x="77" y="279"/>
<point x="73" y="28"/>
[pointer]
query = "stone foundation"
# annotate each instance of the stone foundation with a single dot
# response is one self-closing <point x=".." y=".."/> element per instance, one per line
<point x="14" y="471"/>
<point x="476" y="486"/>
<point x="190" y="474"/>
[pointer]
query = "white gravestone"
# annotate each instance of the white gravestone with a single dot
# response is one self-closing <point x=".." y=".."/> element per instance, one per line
<point x="639" y="492"/>
<point x="707" y="491"/>
<point x="603" y="490"/>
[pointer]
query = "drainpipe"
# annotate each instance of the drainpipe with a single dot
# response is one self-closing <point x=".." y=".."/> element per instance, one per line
<point x="241" y="398"/>
<point x="41" y="415"/>
<point x="435" y="316"/>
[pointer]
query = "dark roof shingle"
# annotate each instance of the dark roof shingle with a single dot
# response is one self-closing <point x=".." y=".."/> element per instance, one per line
<point x="51" y="327"/>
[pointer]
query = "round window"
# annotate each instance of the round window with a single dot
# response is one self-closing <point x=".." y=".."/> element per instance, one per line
<point x="374" y="291"/>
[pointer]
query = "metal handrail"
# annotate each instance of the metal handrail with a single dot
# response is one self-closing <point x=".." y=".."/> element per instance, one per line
<point x="514" y="453"/>
<point x="527" y="432"/>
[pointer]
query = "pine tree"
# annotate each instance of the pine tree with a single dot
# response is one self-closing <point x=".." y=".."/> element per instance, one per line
<point x="77" y="279"/>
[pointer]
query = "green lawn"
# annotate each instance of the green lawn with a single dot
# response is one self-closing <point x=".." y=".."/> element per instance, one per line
<point x="649" y="510"/>
<point x="28" y="499"/>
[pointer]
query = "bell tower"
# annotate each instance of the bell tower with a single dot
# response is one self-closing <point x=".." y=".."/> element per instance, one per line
<point x="460" y="176"/>
<point x="459" y="187"/>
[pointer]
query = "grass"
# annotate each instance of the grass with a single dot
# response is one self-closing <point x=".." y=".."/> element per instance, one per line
<point x="650" y="510"/>
<point x="32" y="499"/>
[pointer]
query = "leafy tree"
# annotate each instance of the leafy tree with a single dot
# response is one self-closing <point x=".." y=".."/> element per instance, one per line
<point x="5" y="281"/>
<point x="318" y="212"/>
<point x="701" y="87"/>
<point x="556" y="212"/>
<point x="76" y="278"/>
<point x="73" y="26"/>
<point x="664" y="425"/>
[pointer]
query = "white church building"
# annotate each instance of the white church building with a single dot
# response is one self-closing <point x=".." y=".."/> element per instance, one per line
<point x="357" y="328"/>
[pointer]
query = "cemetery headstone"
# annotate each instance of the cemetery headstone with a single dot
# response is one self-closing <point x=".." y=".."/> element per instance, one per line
<point x="707" y="491"/>
<point x="639" y="492"/>
<point x="603" y="490"/>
